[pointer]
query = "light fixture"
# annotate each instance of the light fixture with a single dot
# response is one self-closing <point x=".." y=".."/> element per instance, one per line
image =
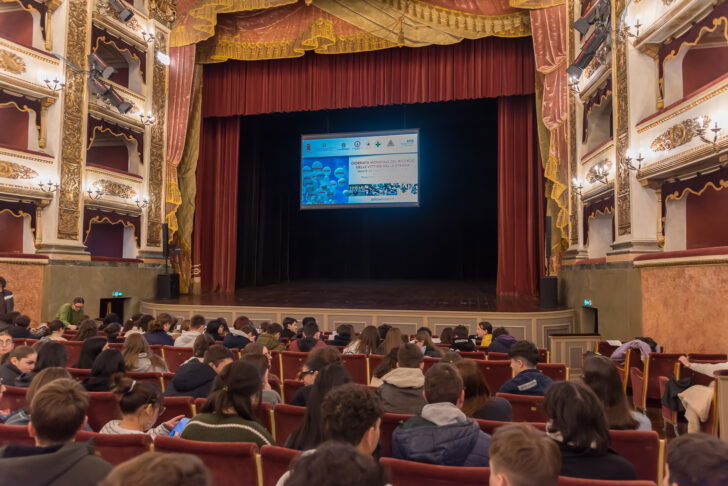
<point x="147" y="118"/>
<point x="99" y="67"/>
<point x="48" y="184"/>
<point x="629" y="158"/>
<point x="599" y="12"/>
<point x="163" y="58"/>
<point x="573" y="83"/>
<point x="588" y="51"/>
<point x="141" y="202"/>
<point x="578" y="185"/>
<point x="53" y="82"/>
<point x="122" y="12"/>
<point x="94" y="191"/>
<point x="601" y="173"/>
<point x="628" y="32"/>
<point x="703" y="123"/>
<point x="150" y="36"/>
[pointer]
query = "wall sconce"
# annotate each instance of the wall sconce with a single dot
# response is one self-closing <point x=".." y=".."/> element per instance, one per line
<point x="573" y="83"/>
<point x="147" y="118"/>
<point x="53" y="82"/>
<point x="601" y="174"/>
<point x="150" y="36"/>
<point x="94" y="192"/>
<point x="632" y="31"/>
<point x="578" y="185"/>
<point x="629" y="157"/>
<point x="703" y="122"/>
<point x="163" y="58"/>
<point x="48" y="185"/>
<point x="141" y="202"/>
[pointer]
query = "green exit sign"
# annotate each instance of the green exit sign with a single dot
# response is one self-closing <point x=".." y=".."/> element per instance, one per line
<point x="587" y="302"/>
<point x="117" y="294"/>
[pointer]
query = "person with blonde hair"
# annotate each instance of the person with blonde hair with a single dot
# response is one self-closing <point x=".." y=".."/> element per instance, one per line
<point x="394" y="339"/>
<point x="138" y="356"/>
<point x="521" y="455"/>
<point x="366" y="343"/>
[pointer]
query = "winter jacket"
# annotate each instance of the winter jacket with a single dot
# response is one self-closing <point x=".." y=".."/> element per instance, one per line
<point x="441" y="435"/>
<point x="593" y="465"/>
<point x="159" y="337"/>
<point x="527" y="382"/>
<point x="672" y="389"/>
<point x="187" y="339"/>
<point x="213" y="427"/>
<point x="9" y="372"/>
<point x="8" y="303"/>
<point x="487" y="339"/>
<point x="462" y="345"/>
<point x="70" y="464"/>
<point x="19" y="332"/>
<point x="341" y="340"/>
<point x="619" y="354"/>
<point x="144" y="364"/>
<point x="401" y="391"/>
<point x="236" y="339"/>
<point x="193" y="379"/>
<point x="270" y="342"/>
<point x="300" y="398"/>
<point x="501" y="344"/>
<point x="305" y="345"/>
<point x="497" y="408"/>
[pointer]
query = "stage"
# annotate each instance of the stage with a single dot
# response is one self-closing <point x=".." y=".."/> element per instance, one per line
<point x="407" y="304"/>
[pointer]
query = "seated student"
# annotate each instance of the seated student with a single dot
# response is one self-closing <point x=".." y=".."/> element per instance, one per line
<point x="199" y="347"/>
<point x="56" y="328"/>
<point x="521" y="455"/>
<point x="228" y="415"/>
<point x="59" y="411"/>
<point x="344" y="334"/>
<point x="71" y="314"/>
<point x="270" y="338"/>
<point x="195" y="378"/>
<point x="485" y="333"/>
<point x="502" y="341"/>
<point x="109" y="318"/>
<point x="6" y="345"/>
<point x="387" y="364"/>
<point x="601" y="375"/>
<point x="401" y="390"/>
<point x="290" y="328"/>
<point x="260" y="361"/>
<point x="451" y="357"/>
<point x="215" y="329"/>
<point x="20" y="328"/>
<point x="311" y="339"/>
<point x="138" y="356"/>
<point x="197" y="327"/>
<point x="112" y="331"/>
<point x="350" y="414"/>
<point x="107" y="364"/>
<point x="394" y="339"/>
<point x="366" y="343"/>
<point x="348" y="465"/>
<point x="527" y="380"/>
<point x="90" y="349"/>
<point x="579" y="427"/>
<point x="423" y="339"/>
<point x="446" y="336"/>
<point x="314" y="364"/>
<point x="160" y="469"/>
<point x="20" y="361"/>
<point x="50" y="354"/>
<point x="478" y="401"/>
<point x="696" y="460"/>
<point x="241" y="334"/>
<point x="460" y="340"/>
<point x="442" y="434"/>
<point x="48" y="375"/>
<point x="138" y="325"/>
<point x="157" y="332"/>
<point x="140" y="403"/>
<point x="86" y="329"/>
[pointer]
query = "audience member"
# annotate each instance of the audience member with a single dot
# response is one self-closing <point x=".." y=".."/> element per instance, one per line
<point x="20" y="328"/>
<point x="441" y="434"/>
<point x="6" y="296"/>
<point x="197" y="327"/>
<point x="426" y="329"/>
<point x="264" y="325"/>
<point x="56" y="327"/>
<point x="601" y="375"/>
<point x="201" y="344"/>
<point x="383" y="330"/>
<point x="387" y="364"/>
<point x="109" y="318"/>
<point x="22" y="416"/>
<point x="527" y="380"/>
<point x="502" y="341"/>
<point x="461" y="341"/>
<point x="366" y="343"/>
<point x="423" y="339"/>
<point x="446" y="336"/>
<point x="401" y="389"/>
<point x="90" y="349"/>
<point x="241" y="334"/>
<point x="58" y="412"/>
<point x="485" y="333"/>
<point x="195" y="378"/>
<point x="141" y="404"/>
<point x="336" y="464"/>
<point x="130" y="323"/>
<point x="270" y="338"/>
<point x="309" y="433"/>
<point x="696" y="460"/>
<point x="521" y="455"/>
<point x="6" y="320"/>
<point x="6" y="345"/>
<point x="311" y="339"/>
<point x="158" y="469"/>
<point x="86" y="329"/>
<point x="213" y="329"/>
<point x="260" y="361"/>
<point x="316" y="361"/>
<point x="112" y="331"/>
<point x="344" y="334"/>
<point x="479" y="403"/>
<point x="20" y="361"/>
<point x="140" y="326"/>
<point x="703" y="368"/>
<point x="50" y="354"/>
<point x="138" y="356"/>
<point x="227" y="415"/>
<point x="107" y="364"/>
<point x="71" y="314"/>
<point x="157" y="332"/>
<point x="290" y="328"/>
<point x="394" y="339"/>
<point x="451" y="357"/>
<point x="578" y="425"/>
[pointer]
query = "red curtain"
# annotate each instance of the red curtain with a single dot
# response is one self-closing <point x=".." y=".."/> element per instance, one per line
<point x="215" y="231"/>
<point x="484" y="68"/>
<point x="520" y="198"/>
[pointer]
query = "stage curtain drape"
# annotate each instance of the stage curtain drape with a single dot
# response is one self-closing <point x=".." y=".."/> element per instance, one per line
<point x="485" y="68"/>
<point x="520" y="208"/>
<point x="215" y="238"/>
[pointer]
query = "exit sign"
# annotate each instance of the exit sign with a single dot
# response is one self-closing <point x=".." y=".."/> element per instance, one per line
<point x="587" y="302"/>
<point x="117" y="294"/>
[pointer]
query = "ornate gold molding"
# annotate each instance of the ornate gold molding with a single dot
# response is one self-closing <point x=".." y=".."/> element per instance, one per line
<point x="11" y="62"/>
<point x="103" y="7"/>
<point x="116" y="189"/>
<point x="620" y="98"/>
<point x="678" y="135"/>
<point x="155" y="181"/>
<point x="164" y="11"/>
<point x="573" y="165"/>
<point x="12" y="170"/>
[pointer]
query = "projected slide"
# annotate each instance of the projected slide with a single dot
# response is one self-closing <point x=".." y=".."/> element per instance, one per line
<point x="365" y="169"/>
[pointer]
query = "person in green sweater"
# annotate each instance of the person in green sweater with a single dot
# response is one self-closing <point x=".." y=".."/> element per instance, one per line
<point x="228" y="414"/>
<point x="71" y="314"/>
<point x="270" y="337"/>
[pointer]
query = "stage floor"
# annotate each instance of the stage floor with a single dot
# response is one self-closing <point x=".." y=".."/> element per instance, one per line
<point x="425" y="295"/>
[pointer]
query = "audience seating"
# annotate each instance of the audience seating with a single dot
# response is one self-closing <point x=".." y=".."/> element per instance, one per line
<point x="18" y="342"/>
<point x="555" y="371"/>
<point x="710" y="426"/>
<point x="428" y="362"/>
<point x="175" y="406"/>
<point x="286" y="418"/>
<point x="495" y="373"/>
<point x="13" y="398"/>
<point x="276" y="366"/>
<point x="526" y="408"/>
<point x="669" y="416"/>
<point x="605" y="349"/>
<point x="167" y="379"/>
<point x="564" y="481"/>
<point x="291" y="363"/>
<point x="356" y="364"/>
<point x="79" y="373"/>
<point x="645" y="383"/>
<point x="73" y="348"/>
<point x="718" y="358"/>
<point x="290" y="387"/>
<point x="544" y="355"/>
<point x="102" y="408"/>
<point x="275" y="461"/>
<point x="390" y="421"/>
<point x="374" y="360"/>
<point x="15" y="434"/>
<point x="489" y="426"/>
<point x="231" y="463"/>
<point x="265" y="416"/>
<point x="632" y="359"/>
<point x="117" y="448"/>
<point x="151" y="376"/>
<point x="199" y="403"/>
<point x="644" y="449"/>
<point x="498" y="356"/>
<point x="472" y="354"/>
<point x="408" y="473"/>
<point x="175" y="356"/>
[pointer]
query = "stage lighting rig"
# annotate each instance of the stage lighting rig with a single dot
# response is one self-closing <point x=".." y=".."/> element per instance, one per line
<point x="124" y="13"/>
<point x="590" y="48"/>
<point x="600" y="13"/>
<point x="99" y="67"/>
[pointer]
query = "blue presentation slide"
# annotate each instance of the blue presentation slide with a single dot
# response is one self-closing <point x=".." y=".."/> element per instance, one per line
<point x="364" y="169"/>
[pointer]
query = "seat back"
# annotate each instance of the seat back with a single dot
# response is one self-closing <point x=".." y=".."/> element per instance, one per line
<point x="639" y="399"/>
<point x="231" y="463"/>
<point x="15" y="434"/>
<point x="356" y="364"/>
<point x="555" y="371"/>
<point x="175" y="356"/>
<point x="390" y="421"/>
<point x="566" y="481"/>
<point x="495" y="373"/>
<point x="497" y="356"/>
<point x="13" y="398"/>
<point x="152" y="377"/>
<point x="73" y="348"/>
<point x="275" y="363"/>
<point x="79" y="373"/>
<point x="276" y="461"/>
<point x="290" y="387"/>
<point x="175" y="406"/>
<point x="489" y="426"/>
<point x="291" y="363"/>
<point x="669" y="416"/>
<point x="408" y="473"/>
<point x="428" y="362"/>
<point x="657" y="364"/>
<point x="102" y="408"/>
<point x="606" y="349"/>
<point x="718" y="358"/>
<point x="374" y="360"/>
<point x="526" y="408"/>
<point x="643" y="449"/>
<point x="544" y="356"/>
<point x="117" y="448"/>
<point x="472" y="354"/>
<point x="264" y="414"/>
<point x="287" y="418"/>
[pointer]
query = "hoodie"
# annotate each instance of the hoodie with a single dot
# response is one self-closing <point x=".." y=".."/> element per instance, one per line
<point x="401" y="391"/>
<point x="501" y="344"/>
<point x="73" y="463"/>
<point x="193" y="379"/>
<point x="527" y="382"/>
<point x="441" y="435"/>
<point x="187" y="339"/>
<point x="236" y="339"/>
<point x="270" y="342"/>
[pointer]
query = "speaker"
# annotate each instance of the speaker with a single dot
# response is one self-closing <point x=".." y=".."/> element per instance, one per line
<point x="168" y="285"/>
<point x="548" y="292"/>
<point x="165" y="240"/>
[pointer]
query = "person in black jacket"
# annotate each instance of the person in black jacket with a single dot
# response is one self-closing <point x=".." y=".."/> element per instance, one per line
<point x="460" y="340"/>
<point x="20" y="362"/>
<point x="107" y="363"/>
<point x="241" y="334"/>
<point x="343" y="335"/>
<point x="19" y="329"/>
<point x="502" y="341"/>
<point x="195" y="379"/>
<point x="290" y="328"/>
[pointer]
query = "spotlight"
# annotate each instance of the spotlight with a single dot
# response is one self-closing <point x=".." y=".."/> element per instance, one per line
<point x="601" y="10"/>
<point x="587" y="52"/>
<point x="124" y="13"/>
<point x="103" y="89"/>
<point x="98" y="66"/>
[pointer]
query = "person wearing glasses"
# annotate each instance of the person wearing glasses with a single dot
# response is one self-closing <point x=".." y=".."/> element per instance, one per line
<point x="6" y="345"/>
<point x="71" y="314"/>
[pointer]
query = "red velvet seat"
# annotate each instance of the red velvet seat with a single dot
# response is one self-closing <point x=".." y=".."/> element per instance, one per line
<point x="18" y="342"/>
<point x="276" y="461"/>
<point x="407" y="473"/>
<point x="498" y="356"/>
<point x="564" y="481"/>
<point x="356" y="364"/>
<point x="555" y="371"/>
<point x="643" y="449"/>
<point x="390" y="421"/>
<point x="275" y="363"/>
<point x="544" y="356"/>
<point x="490" y="426"/>
<point x="175" y="406"/>
<point x="718" y="358"/>
<point x="264" y="412"/>
<point x="199" y="403"/>
<point x="526" y="408"/>
<point x="287" y="418"/>
<point x="152" y="377"/>
<point x="117" y="448"/>
<point x="102" y="408"/>
<point x="428" y="362"/>
<point x="175" y="356"/>
<point x="495" y="372"/>
<point x="73" y="348"/>
<point x="13" y="398"/>
<point x="656" y="365"/>
<point x="15" y="434"/>
<point x="291" y="363"/>
<point x="290" y="387"/>
<point x="167" y="379"/>
<point x="669" y="416"/>
<point x="231" y="463"/>
<point x="605" y="349"/>
<point x="472" y="354"/>
<point x="374" y="360"/>
<point x="79" y="373"/>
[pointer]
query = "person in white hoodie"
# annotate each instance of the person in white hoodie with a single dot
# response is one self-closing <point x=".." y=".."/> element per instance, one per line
<point x="402" y="388"/>
<point x="197" y="327"/>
